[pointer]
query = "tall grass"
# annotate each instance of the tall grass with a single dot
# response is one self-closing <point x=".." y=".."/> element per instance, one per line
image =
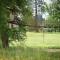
<point x="28" y="54"/>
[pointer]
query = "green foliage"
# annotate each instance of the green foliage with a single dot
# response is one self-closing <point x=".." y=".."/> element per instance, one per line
<point x="13" y="33"/>
<point x="54" y="12"/>
<point x="56" y="9"/>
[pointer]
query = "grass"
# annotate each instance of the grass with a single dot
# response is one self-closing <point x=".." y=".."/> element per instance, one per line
<point x="28" y="54"/>
<point x="33" y="51"/>
<point x="43" y="39"/>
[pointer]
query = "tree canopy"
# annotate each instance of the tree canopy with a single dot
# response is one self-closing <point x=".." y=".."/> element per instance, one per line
<point x="22" y="7"/>
<point x="54" y="12"/>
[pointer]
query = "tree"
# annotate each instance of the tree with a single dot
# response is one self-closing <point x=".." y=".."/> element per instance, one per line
<point x="56" y="13"/>
<point x="39" y="10"/>
<point x="5" y="31"/>
<point x="53" y="20"/>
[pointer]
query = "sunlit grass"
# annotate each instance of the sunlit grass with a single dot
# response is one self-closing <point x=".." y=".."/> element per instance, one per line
<point x="40" y="39"/>
<point x="43" y="39"/>
<point x="33" y="51"/>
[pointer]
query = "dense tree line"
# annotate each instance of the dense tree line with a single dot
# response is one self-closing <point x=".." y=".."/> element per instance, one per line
<point x="53" y="20"/>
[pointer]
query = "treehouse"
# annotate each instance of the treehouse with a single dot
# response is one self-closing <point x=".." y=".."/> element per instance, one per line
<point x="15" y="22"/>
<point x="15" y="19"/>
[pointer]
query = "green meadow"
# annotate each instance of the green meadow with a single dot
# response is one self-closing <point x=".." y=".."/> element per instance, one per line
<point x="43" y="39"/>
<point x="37" y="45"/>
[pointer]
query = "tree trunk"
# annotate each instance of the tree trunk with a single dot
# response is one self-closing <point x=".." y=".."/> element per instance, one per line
<point x="36" y="22"/>
<point x="4" y="38"/>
